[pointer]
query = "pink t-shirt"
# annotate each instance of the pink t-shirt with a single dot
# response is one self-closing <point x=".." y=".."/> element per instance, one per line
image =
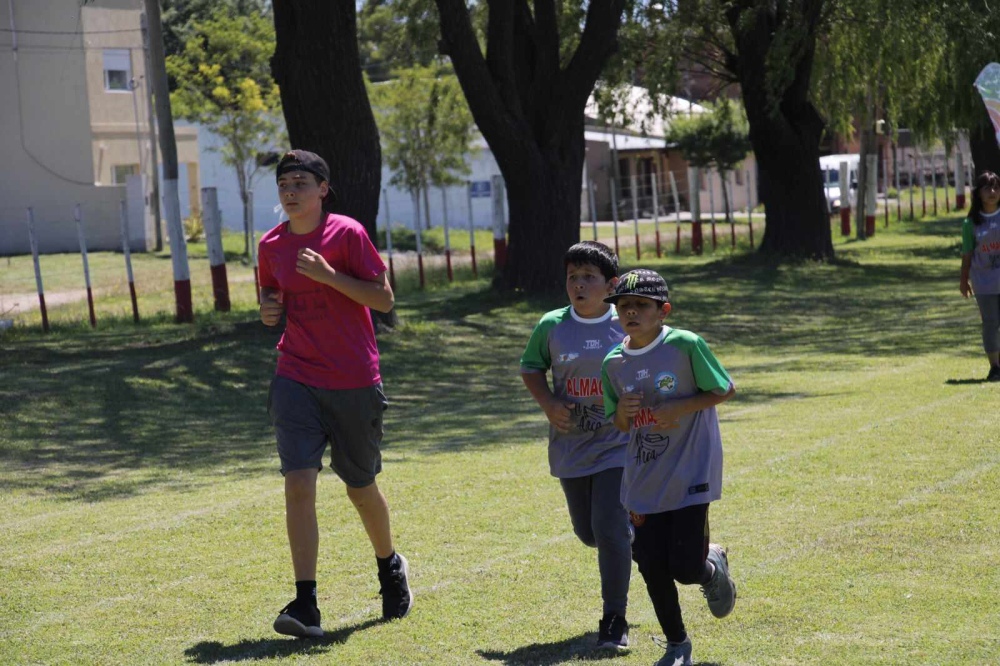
<point x="329" y="341"/>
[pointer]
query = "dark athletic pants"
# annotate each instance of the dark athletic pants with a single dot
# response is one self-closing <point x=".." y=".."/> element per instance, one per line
<point x="600" y="522"/>
<point x="672" y="546"/>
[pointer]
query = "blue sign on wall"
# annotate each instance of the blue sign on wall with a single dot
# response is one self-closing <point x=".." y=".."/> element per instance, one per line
<point x="479" y="189"/>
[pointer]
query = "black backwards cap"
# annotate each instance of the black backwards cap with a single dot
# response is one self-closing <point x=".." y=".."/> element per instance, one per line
<point x="641" y="282"/>
<point x="303" y="160"/>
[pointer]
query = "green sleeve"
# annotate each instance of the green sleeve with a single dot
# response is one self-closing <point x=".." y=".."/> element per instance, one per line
<point x="709" y="374"/>
<point x="968" y="236"/>
<point x="536" y="356"/>
<point x="610" y="396"/>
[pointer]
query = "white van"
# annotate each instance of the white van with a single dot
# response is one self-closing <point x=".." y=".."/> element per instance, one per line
<point x="830" y="167"/>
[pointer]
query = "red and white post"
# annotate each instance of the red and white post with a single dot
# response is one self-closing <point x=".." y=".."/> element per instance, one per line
<point x="885" y="184"/>
<point x="212" y="221"/>
<point x="127" y="252"/>
<point x="635" y="215"/>
<point x="845" y="199"/>
<point x="694" y="192"/>
<point x="729" y="204"/>
<point x="447" y="238"/>
<point x="416" y="234"/>
<point x="711" y="207"/>
<point x="38" y="269"/>
<point x="923" y="185"/>
<point x="677" y="210"/>
<point x="934" y="182"/>
<point x="178" y="253"/>
<point x="913" y="187"/>
<point x="499" y="222"/>
<point x="591" y="187"/>
<point x="959" y="181"/>
<point x="614" y="212"/>
<point x="388" y="238"/>
<point x="656" y="211"/>
<point x="947" y="198"/>
<point x="253" y="244"/>
<point x="78" y="217"/>
<point x="472" y="231"/>
<point x="871" y="195"/>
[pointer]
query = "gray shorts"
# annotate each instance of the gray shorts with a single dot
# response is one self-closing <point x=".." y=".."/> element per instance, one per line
<point x="305" y="418"/>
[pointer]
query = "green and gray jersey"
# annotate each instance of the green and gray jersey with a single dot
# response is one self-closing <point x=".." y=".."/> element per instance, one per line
<point x="573" y="348"/>
<point x="982" y="241"/>
<point x="667" y="470"/>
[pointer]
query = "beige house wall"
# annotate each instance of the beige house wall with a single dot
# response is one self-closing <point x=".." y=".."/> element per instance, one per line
<point x="62" y="133"/>
<point x="119" y="124"/>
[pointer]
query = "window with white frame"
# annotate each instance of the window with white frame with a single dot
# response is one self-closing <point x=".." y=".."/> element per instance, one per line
<point x="117" y="69"/>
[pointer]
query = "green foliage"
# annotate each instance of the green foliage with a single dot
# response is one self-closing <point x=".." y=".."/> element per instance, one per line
<point x="194" y="227"/>
<point x="717" y="138"/>
<point x="396" y="34"/>
<point x="426" y="128"/>
<point x="405" y="240"/>
<point x="180" y="16"/>
<point x="884" y="59"/>
<point x="224" y="82"/>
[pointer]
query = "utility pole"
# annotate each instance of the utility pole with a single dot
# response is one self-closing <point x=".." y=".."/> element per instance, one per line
<point x="168" y="144"/>
<point x="154" y="198"/>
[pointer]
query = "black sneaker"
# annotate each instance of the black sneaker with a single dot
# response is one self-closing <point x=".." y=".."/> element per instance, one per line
<point x="397" y="600"/>
<point x="612" y="632"/>
<point x="994" y="375"/>
<point x="299" y="618"/>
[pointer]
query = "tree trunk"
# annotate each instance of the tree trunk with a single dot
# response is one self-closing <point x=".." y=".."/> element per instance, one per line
<point x="984" y="146"/>
<point x="326" y="106"/>
<point x="785" y="133"/>
<point x="529" y="109"/>
<point x="543" y="193"/>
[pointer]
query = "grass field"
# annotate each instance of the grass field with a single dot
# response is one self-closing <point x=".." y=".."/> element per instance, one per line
<point x="141" y="511"/>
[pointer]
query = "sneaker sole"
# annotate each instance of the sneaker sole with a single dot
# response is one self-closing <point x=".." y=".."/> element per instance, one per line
<point x="611" y="645"/>
<point x="289" y="626"/>
<point x="732" y="583"/>
<point x="406" y="574"/>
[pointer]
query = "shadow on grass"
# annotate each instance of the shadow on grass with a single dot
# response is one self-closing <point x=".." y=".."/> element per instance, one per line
<point x="962" y="382"/>
<point x="212" y="652"/>
<point x="577" y="648"/>
<point x="90" y="416"/>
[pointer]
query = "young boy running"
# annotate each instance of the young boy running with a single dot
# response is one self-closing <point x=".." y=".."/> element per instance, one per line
<point x="586" y="451"/>
<point x="323" y="273"/>
<point x="661" y="385"/>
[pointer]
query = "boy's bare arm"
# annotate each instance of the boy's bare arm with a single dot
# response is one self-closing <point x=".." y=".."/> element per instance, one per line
<point x="557" y="412"/>
<point x="271" y="306"/>
<point x="668" y="414"/>
<point x="375" y="293"/>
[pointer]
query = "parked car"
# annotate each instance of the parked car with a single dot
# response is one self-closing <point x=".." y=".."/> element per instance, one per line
<point x="830" y="166"/>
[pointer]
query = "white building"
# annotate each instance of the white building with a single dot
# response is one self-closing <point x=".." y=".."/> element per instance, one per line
<point x="639" y="147"/>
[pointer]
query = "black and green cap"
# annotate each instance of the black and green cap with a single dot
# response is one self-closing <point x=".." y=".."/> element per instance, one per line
<point x="641" y="282"/>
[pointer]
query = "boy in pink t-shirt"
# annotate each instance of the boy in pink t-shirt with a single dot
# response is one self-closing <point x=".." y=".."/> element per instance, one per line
<point x="324" y="274"/>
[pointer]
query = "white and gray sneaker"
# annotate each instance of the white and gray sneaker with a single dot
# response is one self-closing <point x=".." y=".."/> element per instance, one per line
<point x="678" y="654"/>
<point x="720" y="591"/>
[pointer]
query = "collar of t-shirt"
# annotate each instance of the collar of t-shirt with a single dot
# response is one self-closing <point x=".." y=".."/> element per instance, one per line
<point x="652" y="345"/>
<point x="596" y="320"/>
<point x="989" y="217"/>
